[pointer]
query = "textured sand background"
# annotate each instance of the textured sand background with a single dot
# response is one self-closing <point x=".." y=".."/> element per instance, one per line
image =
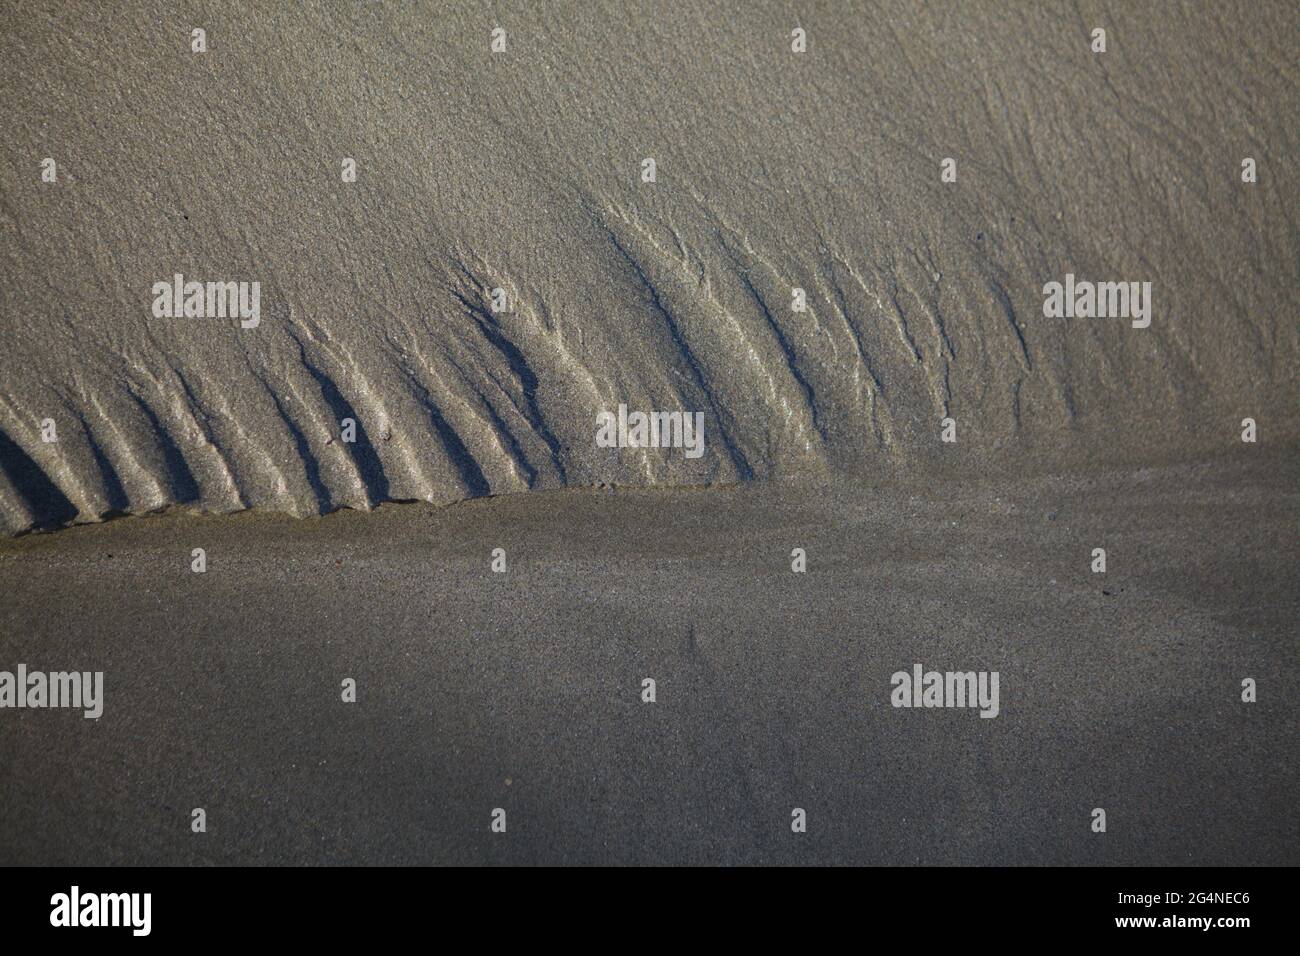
<point x="521" y="170"/>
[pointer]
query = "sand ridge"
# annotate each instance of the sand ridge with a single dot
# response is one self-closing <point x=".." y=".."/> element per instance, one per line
<point x="521" y="173"/>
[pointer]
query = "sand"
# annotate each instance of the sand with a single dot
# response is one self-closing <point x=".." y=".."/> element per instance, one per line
<point x="522" y="690"/>
<point x="775" y="172"/>
<point x="521" y="170"/>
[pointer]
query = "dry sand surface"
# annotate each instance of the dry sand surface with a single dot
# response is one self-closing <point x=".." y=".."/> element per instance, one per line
<point x="524" y="171"/>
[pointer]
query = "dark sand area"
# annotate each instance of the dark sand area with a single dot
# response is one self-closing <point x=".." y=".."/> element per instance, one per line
<point x="522" y="690"/>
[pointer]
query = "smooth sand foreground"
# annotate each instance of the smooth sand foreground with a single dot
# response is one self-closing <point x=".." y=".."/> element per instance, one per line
<point x="522" y="690"/>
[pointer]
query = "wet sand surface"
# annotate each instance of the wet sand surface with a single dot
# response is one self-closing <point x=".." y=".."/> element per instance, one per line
<point x="522" y="690"/>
